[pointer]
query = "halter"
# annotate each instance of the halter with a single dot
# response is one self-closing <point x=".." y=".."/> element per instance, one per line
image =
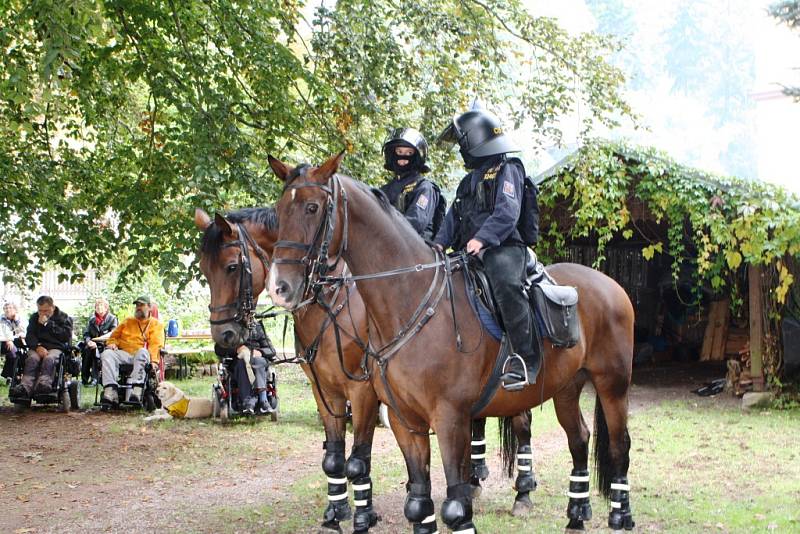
<point x="244" y="305"/>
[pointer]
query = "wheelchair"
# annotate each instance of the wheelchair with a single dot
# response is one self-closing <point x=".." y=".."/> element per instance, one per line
<point x="148" y="401"/>
<point x="66" y="391"/>
<point x="225" y="403"/>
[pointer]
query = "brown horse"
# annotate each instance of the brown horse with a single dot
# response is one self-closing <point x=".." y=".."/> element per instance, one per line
<point x="417" y="368"/>
<point x="219" y="254"/>
<point x="221" y="263"/>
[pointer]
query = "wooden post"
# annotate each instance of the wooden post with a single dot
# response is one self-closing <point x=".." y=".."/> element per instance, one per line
<point x="756" y="327"/>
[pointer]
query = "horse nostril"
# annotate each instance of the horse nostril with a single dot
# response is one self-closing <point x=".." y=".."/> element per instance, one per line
<point x="227" y="336"/>
<point x="282" y="287"/>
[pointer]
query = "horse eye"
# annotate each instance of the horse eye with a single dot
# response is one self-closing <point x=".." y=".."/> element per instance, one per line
<point x="312" y="208"/>
<point x="232" y="268"/>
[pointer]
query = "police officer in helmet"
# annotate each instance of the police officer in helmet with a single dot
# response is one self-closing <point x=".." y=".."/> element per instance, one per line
<point x="483" y="220"/>
<point x="405" y="153"/>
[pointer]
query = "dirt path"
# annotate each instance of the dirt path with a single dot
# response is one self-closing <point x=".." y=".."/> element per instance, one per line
<point x="114" y="473"/>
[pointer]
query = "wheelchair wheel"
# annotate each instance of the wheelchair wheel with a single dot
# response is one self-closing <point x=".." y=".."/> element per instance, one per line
<point x="215" y="402"/>
<point x="74" y="390"/>
<point x="149" y="401"/>
<point x="64" y="400"/>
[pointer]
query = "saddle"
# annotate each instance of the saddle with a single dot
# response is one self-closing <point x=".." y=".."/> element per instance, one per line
<point x="554" y="307"/>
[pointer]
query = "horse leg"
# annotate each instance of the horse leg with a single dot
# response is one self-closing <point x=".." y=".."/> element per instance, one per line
<point x="333" y="464"/>
<point x="612" y="451"/>
<point x="365" y="415"/>
<point x="480" y="471"/>
<point x="416" y="450"/>
<point x="526" y="480"/>
<point x="568" y="412"/>
<point x="453" y="435"/>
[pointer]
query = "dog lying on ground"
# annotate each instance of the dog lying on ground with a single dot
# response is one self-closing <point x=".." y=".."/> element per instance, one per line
<point x="175" y="404"/>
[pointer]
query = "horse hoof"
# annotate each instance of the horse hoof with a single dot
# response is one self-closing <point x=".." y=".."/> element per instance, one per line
<point x="476" y="491"/>
<point x="328" y="527"/>
<point x="521" y="508"/>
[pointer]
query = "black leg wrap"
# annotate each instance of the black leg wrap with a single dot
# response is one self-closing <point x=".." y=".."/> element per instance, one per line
<point x="579" y="508"/>
<point x="364" y="517"/>
<point x="333" y="464"/>
<point x="419" y="508"/>
<point x="359" y="463"/>
<point x="480" y="471"/>
<point x="457" y="508"/>
<point x="620" y="516"/>
<point x="526" y="480"/>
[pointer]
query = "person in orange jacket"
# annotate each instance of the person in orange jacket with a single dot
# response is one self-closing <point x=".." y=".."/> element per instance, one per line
<point x="136" y="341"/>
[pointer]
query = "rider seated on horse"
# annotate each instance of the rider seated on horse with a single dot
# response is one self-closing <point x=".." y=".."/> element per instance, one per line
<point x="405" y="153"/>
<point x="483" y="220"/>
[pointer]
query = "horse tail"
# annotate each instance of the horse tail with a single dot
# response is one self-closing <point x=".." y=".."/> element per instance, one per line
<point x="602" y="455"/>
<point x="508" y="445"/>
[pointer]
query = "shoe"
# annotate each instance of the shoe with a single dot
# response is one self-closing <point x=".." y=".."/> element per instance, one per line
<point x="263" y="409"/>
<point x="18" y="391"/>
<point x="110" y="395"/>
<point x="249" y="407"/>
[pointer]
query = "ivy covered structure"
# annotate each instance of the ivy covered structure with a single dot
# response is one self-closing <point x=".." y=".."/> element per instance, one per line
<point x="709" y="261"/>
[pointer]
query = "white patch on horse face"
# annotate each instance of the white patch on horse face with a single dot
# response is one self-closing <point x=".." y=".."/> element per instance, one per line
<point x="294" y="192"/>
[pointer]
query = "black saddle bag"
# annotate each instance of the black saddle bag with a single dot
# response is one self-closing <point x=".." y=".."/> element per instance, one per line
<point x="557" y="310"/>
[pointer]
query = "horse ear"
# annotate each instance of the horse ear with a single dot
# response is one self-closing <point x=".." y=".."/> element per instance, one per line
<point x="329" y="168"/>
<point x="227" y="228"/>
<point x="201" y="219"/>
<point x="280" y="169"/>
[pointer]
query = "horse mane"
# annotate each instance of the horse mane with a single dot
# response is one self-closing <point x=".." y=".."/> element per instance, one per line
<point x="300" y="170"/>
<point x="213" y="239"/>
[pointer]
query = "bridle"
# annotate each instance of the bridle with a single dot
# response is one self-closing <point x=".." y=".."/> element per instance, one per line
<point x="315" y="253"/>
<point x="244" y="305"/>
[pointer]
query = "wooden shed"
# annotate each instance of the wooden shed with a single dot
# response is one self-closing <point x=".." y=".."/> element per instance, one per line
<point x="709" y="262"/>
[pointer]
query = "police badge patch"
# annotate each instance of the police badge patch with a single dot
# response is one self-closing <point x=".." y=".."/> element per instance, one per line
<point x="508" y="189"/>
<point x="422" y="202"/>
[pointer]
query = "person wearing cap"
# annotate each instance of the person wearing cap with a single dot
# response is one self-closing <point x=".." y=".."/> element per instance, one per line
<point x="405" y="154"/>
<point x="137" y="341"/>
<point x="483" y="221"/>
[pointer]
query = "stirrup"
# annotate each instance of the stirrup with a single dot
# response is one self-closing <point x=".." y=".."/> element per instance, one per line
<point x="515" y="386"/>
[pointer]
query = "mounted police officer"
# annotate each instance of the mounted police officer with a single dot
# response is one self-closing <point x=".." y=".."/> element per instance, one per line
<point x="405" y="153"/>
<point x="483" y="220"/>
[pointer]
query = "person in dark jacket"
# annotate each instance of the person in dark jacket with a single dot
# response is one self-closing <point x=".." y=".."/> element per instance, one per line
<point x="100" y="324"/>
<point x="405" y="153"/>
<point x="49" y="333"/>
<point x="483" y="221"/>
<point x="251" y="363"/>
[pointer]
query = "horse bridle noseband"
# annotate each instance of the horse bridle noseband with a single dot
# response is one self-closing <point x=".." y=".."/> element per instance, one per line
<point x="245" y="302"/>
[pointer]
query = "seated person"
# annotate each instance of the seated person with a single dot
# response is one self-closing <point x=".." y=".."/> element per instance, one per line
<point x="136" y="341"/>
<point x="49" y="331"/>
<point x="250" y="369"/>
<point x="101" y="323"/>
<point x="12" y="334"/>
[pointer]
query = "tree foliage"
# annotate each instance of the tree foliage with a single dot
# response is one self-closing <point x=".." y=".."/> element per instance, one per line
<point x="716" y="223"/>
<point x="118" y="117"/>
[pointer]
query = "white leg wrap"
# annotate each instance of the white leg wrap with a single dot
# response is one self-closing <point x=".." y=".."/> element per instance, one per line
<point x="359" y="502"/>
<point x="523" y="468"/>
<point x="525" y="456"/>
<point x="573" y="478"/>
<point x="361" y="487"/>
<point x="429" y="519"/>
<point x="620" y="487"/>
<point x="340" y="497"/>
<point x="616" y="504"/>
<point x="478" y="456"/>
<point x="582" y="495"/>
<point x="465" y="531"/>
<point x="337" y="480"/>
<point x="480" y="442"/>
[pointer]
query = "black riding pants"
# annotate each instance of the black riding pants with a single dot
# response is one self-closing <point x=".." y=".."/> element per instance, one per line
<point x="505" y="268"/>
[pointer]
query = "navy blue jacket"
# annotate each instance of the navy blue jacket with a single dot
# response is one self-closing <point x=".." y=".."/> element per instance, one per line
<point x="416" y="198"/>
<point x="473" y="214"/>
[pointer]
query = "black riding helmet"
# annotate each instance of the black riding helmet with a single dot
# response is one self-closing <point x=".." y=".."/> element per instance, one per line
<point x="406" y="137"/>
<point x="479" y="134"/>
